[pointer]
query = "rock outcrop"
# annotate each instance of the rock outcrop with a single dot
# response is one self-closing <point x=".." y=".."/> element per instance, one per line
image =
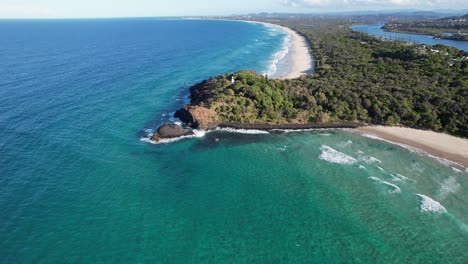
<point x="168" y="131"/>
<point x="198" y="117"/>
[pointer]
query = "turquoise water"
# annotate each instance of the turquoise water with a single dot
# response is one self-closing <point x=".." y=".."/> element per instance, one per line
<point x="78" y="184"/>
<point x="375" y="29"/>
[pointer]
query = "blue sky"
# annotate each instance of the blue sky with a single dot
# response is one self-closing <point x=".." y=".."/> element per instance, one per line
<point x="138" y="8"/>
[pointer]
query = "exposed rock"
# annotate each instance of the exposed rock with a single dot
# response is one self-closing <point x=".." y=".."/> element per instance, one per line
<point x="198" y="117"/>
<point x="170" y="131"/>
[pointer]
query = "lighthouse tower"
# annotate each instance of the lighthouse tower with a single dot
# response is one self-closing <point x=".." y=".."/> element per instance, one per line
<point x="232" y="79"/>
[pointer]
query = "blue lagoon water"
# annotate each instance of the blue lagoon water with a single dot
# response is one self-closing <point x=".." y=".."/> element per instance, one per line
<point x="79" y="185"/>
<point x="376" y="30"/>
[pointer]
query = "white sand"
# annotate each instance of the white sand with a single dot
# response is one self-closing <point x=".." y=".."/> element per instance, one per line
<point x="438" y="144"/>
<point x="299" y="53"/>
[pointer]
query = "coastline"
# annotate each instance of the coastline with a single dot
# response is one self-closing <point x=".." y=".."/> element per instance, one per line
<point x="299" y="53"/>
<point x="439" y="145"/>
<point x="448" y="149"/>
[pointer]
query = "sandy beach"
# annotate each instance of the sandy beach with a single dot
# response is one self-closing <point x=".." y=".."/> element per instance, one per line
<point x="299" y="53"/>
<point x="437" y="144"/>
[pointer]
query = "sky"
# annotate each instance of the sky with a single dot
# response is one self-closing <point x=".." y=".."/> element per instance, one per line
<point x="142" y="8"/>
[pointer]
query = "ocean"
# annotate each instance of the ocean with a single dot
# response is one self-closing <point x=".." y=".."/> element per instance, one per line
<point x="80" y="184"/>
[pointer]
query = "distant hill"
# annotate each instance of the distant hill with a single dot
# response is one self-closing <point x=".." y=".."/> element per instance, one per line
<point x="463" y="18"/>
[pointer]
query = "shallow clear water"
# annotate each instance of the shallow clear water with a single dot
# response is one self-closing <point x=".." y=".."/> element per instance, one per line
<point x="77" y="183"/>
<point x="375" y="29"/>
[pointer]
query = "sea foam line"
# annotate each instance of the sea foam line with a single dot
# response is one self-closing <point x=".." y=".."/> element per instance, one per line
<point x="242" y="131"/>
<point x="279" y="55"/>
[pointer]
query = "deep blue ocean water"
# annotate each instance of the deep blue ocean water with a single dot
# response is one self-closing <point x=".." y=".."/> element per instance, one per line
<point x="79" y="185"/>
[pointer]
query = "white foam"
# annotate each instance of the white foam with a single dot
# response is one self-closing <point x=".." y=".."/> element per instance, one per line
<point x="395" y="188"/>
<point x="362" y="167"/>
<point x="279" y="55"/>
<point x="400" y="178"/>
<point x="345" y="144"/>
<point x="242" y="131"/>
<point x="304" y="130"/>
<point x="421" y="152"/>
<point x="430" y="205"/>
<point x="283" y="148"/>
<point x="370" y="159"/>
<point x="197" y="134"/>
<point x="331" y="155"/>
<point x="373" y="137"/>
<point x="456" y="170"/>
<point x="448" y="187"/>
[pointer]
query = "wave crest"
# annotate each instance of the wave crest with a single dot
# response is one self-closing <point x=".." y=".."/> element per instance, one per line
<point x="430" y="205"/>
<point x="395" y="188"/>
<point x="331" y="155"/>
<point x="243" y="131"/>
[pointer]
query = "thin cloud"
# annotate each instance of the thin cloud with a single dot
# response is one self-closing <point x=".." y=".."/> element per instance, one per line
<point x="24" y="10"/>
<point x="343" y="4"/>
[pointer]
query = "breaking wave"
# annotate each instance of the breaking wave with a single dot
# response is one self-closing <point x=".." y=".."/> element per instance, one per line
<point x="242" y="131"/>
<point x="278" y="56"/>
<point x="430" y="205"/>
<point x="395" y="188"/>
<point x="198" y="134"/>
<point x="448" y="187"/>
<point x="331" y="155"/>
<point x="400" y="178"/>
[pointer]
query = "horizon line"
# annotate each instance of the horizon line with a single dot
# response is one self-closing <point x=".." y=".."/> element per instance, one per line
<point x="383" y="11"/>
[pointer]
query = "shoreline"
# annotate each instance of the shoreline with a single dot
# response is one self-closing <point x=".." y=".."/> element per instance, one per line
<point x="438" y="145"/>
<point x="299" y="52"/>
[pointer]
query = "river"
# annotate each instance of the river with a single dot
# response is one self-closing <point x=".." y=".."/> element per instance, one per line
<point x="376" y="30"/>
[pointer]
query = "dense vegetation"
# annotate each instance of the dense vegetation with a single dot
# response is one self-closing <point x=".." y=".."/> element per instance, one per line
<point x="357" y="78"/>
<point x="455" y="28"/>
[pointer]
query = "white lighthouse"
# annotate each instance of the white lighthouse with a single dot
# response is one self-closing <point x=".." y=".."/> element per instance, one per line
<point x="232" y="79"/>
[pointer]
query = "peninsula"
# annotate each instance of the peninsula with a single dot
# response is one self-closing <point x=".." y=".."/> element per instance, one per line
<point x="358" y="80"/>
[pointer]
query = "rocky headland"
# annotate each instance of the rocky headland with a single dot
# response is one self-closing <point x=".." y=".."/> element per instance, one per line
<point x="231" y="101"/>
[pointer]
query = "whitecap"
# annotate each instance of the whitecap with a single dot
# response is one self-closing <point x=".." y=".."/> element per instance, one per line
<point x="370" y="159"/>
<point x="448" y="187"/>
<point x="430" y="205"/>
<point x="345" y="144"/>
<point x="395" y="188"/>
<point x="362" y="167"/>
<point x="242" y="131"/>
<point x="197" y="134"/>
<point x="331" y="155"/>
<point x="283" y="148"/>
<point x="399" y="177"/>
<point x="304" y="130"/>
